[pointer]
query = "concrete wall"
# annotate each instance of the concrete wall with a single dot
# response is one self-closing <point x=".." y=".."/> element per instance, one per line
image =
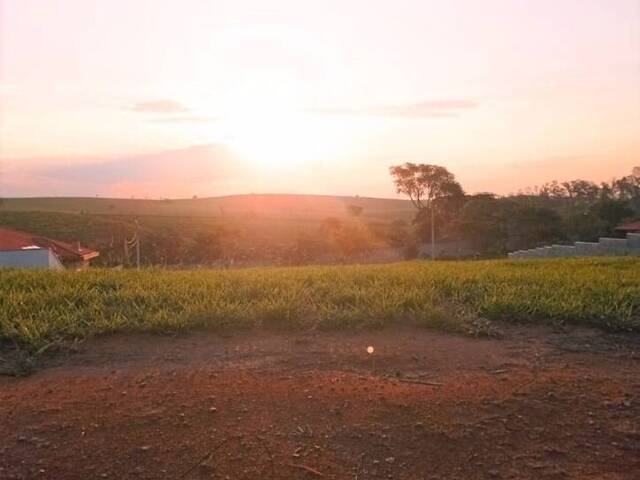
<point x="604" y="246"/>
<point x="32" y="258"/>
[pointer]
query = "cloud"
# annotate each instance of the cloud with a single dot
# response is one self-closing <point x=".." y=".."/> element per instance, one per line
<point x="185" y="119"/>
<point x="170" y="111"/>
<point x="196" y="163"/>
<point x="163" y="173"/>
<point x="427" y="109"/>
<point x="159" y="106"/>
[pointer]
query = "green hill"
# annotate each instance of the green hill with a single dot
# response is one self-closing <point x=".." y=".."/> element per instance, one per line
<point x="271" y="205"/>
<point x="271" y="229"/>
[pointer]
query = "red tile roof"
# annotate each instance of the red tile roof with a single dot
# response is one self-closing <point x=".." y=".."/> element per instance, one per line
<point x="16" y="240"/>
<point x="629" y="227"/>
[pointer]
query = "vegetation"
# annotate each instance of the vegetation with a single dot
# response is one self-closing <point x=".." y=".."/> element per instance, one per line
<point x="425" y="184"/>
<point x="255" y="230"/>
<point x="281" y="206"/>
<point x="214" y="241"/>
<point x="44" y="306"/>
<point x="492" y="225"/>
<point x="430" y="188"/>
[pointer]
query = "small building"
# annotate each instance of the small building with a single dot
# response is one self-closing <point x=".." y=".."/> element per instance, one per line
<point x="25" y="250"/>
<point x="632" y="227"/>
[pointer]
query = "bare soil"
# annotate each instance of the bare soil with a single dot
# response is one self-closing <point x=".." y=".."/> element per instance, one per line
<point x="537" y="404"/>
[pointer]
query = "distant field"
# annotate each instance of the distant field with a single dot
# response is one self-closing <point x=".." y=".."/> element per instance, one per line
<point x="281" y="206"/>
<point x="96" y="229"/>
<point x="253" y="229"/>
<point x="39" y="307"/>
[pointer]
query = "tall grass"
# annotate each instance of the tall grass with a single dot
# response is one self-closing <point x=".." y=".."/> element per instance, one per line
<point x="37" y="307"/>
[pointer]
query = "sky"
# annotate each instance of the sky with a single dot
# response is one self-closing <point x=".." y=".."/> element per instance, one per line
<point x="175" y="98"/>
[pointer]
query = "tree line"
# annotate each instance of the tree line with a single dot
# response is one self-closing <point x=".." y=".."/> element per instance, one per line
<point x="554" y="212"/>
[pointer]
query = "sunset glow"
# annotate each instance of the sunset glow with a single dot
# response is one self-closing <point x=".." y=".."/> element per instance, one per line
<point x="264" y="124"/>
<point x="315" y="97"/>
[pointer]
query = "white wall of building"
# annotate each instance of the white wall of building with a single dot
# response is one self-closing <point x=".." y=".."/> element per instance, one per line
<point x="30" y="258"/>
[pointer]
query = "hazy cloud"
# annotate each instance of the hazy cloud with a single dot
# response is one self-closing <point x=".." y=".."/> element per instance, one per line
<point x="159" y="106"/>
<point x="175" y="172"/>
<point x="196" y="163"/>
<point x="185" y="119"/>
<point x="437" y="108"/>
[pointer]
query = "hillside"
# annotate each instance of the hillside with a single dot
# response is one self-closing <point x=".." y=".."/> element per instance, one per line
<point x="250" y="229"/>
<point x="265" y="205"/>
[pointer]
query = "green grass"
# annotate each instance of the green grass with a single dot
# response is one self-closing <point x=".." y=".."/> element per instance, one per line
<point x="40" y="307"/>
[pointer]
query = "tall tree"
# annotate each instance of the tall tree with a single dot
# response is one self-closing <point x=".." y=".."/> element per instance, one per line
<point x="581" y="194"/>
<point x="627" y="188"/>
<point x="426" y="186"/>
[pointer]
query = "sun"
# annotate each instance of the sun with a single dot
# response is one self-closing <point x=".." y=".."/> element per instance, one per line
<point x="265" y="124"/>
<point x="270" y="138"/>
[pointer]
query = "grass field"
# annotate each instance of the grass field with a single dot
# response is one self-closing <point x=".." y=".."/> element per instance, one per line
<point x="40" y="307"/>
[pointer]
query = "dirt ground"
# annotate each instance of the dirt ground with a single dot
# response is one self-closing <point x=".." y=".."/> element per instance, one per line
<point x="537" y="404"/>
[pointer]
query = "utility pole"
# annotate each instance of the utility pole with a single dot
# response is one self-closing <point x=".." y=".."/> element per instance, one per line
<point x="433" y="234"/>
<point x="137" y="246"/>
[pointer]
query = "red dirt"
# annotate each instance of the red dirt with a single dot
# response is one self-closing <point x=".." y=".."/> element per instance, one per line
<point x="535" y="404"/>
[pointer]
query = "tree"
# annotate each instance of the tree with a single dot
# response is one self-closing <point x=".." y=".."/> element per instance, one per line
<point x="532" y="226"/>
<point x="627" y="188"/>
<point x="612" y="212"/>
<point x="496" y="225"/>
<point x="552" y="189"/>
<point x="482" y="223"/>
<point x="581" y="189"/>
<point x="426" y="186"/>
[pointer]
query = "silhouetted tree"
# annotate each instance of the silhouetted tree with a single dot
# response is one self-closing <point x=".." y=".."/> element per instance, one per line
<point x="427" y="186"/>
<point x="532" y="226"/>
<point x="495" y="225"/>
<point x="482" y="222"/>
<point x="580" y="194"/>
<point x="612" y="212"/>
<point x="627" y="188"/>
<point x="552" y="189"/>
